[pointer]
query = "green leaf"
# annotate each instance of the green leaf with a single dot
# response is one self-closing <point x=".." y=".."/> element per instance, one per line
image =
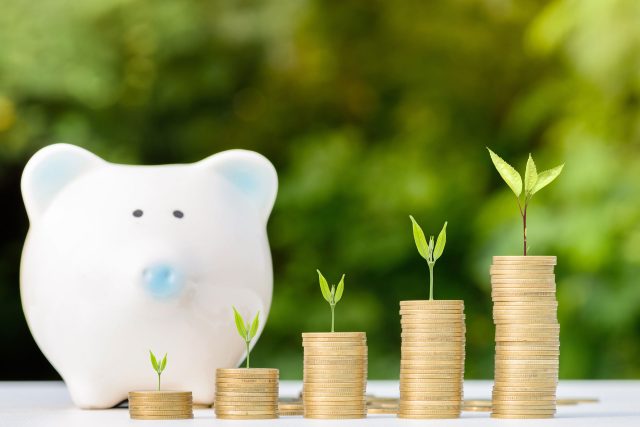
<point x="163" y="364"/>
<point x="324" y="287"/>
<point x="242" y="330"/>
<point x="254" y="326"/>
<point x="442" y="240"/>
<point x="154" y="361"/>
<point x="507" y="172"/>
<point x="421" y="241"/>
<point x="340" y="290"/>
<point x="546" y="177"/>
<point x="530" y="177"/>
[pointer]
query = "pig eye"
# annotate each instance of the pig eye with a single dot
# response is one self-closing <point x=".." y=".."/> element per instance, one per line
<point x="137" y="213"/>
<point x="178" y="214"/>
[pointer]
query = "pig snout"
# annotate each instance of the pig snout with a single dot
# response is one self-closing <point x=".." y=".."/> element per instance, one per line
<point x="162" y="280"/>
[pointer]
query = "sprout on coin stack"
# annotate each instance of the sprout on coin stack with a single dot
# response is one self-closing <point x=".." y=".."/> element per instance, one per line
<point x="335" y="367"/>
<point x="160" y="404"/>
<point x="246" y="393"/>
<point x="433" y="345"/>
<point x="523" y="291"/>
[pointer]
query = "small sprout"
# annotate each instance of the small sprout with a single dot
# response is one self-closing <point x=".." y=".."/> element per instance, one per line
<point x="158" y="366"/>
<point x="332" y="295"/>
<point x="429" y="251"/>
<point x="247" y="331"/>
<point x="533" y="182"/>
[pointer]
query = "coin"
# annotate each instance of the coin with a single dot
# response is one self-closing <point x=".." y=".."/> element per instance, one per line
<point x="334" y="335"/>
<point x="160" y="395"/>
<point x="161" y="406"/>
<point x="246" y="417"/>
<point x="533" y="259"/>
<point x="377" y="410"/>
<point x="161" y="417"/>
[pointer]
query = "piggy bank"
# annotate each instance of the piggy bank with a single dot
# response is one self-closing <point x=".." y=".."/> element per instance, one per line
<point x="123" y="259"/>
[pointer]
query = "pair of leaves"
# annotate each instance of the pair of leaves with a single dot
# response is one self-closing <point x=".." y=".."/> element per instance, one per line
<point x="158" y="366"/>
<point x="533" y="181"/>
<point x="247" y="331"/>
<point x="332" y="294"/>
<point x="429" y="251"/>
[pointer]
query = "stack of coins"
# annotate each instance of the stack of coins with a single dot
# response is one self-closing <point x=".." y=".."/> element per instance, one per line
<point x="246" y="394"/>
<point x="335" y="375"/>
<point x="160" y="405"/>
<point x="523" y="290"/>
<point x="432" y="359"/>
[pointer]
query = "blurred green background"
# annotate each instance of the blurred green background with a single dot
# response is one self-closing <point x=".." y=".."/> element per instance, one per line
<point x="370" y="110"/>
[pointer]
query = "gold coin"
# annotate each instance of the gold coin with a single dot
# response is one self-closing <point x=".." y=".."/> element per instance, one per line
<point x="529" y="412"/>
<point x="444" y="346"/>
<point x="292" y="413"/>
<point x="247" y="373"/>
<point x="161" y="417"/>
<point x="249" y="408"/>
<point x="428" y="413"/>
<point x="172" y="411"/>
<point x="290" y="406"/>
<point x="312" y="394"/>
<point x="424" y="317"/>
<point x="155" y="394"/>
<point x="247" y="380"/>
<point x="353" y="335"/>
<point x="372" y="411"/>
<point x="522" y="274"/>
<point x="533" y="259"/>
<point x="246" y="417"/>
<point x="515" y="416"/>
<point x="431" y="302"/>
<point x="145" y="401"/>
<point x="162" y="406"/>
<point x="521" y="269"/>
<point x="336" y="416"/>
<point x="335" y="410"/>
<point x="246" y="412"/>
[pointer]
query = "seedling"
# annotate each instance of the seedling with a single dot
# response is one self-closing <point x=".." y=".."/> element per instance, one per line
<point x="429" y="251"/>
<point x="533" y="182"/>
<point x="333" y="295"/>
<point x="158" y="366"/>
<point x="247" y="331"/>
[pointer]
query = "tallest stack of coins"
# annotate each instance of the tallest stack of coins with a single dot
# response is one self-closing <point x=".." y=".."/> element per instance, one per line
<point x="525" y="308"/>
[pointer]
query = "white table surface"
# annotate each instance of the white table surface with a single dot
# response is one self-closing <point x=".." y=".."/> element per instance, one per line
<point x="36" y="404"/>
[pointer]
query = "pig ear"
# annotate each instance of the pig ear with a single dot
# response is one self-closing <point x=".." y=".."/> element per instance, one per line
<point x="250" y="173"/>
<point x="49" y="171"/>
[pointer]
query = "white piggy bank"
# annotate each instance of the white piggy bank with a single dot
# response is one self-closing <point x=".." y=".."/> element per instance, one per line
<point x="121" y="259"/>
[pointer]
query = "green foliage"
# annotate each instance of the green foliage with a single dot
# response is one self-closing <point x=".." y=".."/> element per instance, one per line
<point x="245" y="330"/>
<point x="368" y="110"/>
<point x="508" y="173"/>
<point x="158" y="366"/>
<point x="429" y="252"/>
<point x="533" y="182"/>
<point x="331" y="294"/>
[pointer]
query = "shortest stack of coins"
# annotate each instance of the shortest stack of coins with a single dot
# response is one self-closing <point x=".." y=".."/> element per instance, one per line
<point x="523" y="290"/>
<point x="160" y="405"/>
<point x="335" y="375"/>
<point x="432" y="358"/>
<point x="246" y="394"/>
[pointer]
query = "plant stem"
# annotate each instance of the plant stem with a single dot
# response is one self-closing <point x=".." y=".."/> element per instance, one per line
<point x="332" y="317"/>
<point x="524" y="228"/>
<point x="248" y="342"/>
<point x="430" y="281"/>
<point x="158" y="381"/>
